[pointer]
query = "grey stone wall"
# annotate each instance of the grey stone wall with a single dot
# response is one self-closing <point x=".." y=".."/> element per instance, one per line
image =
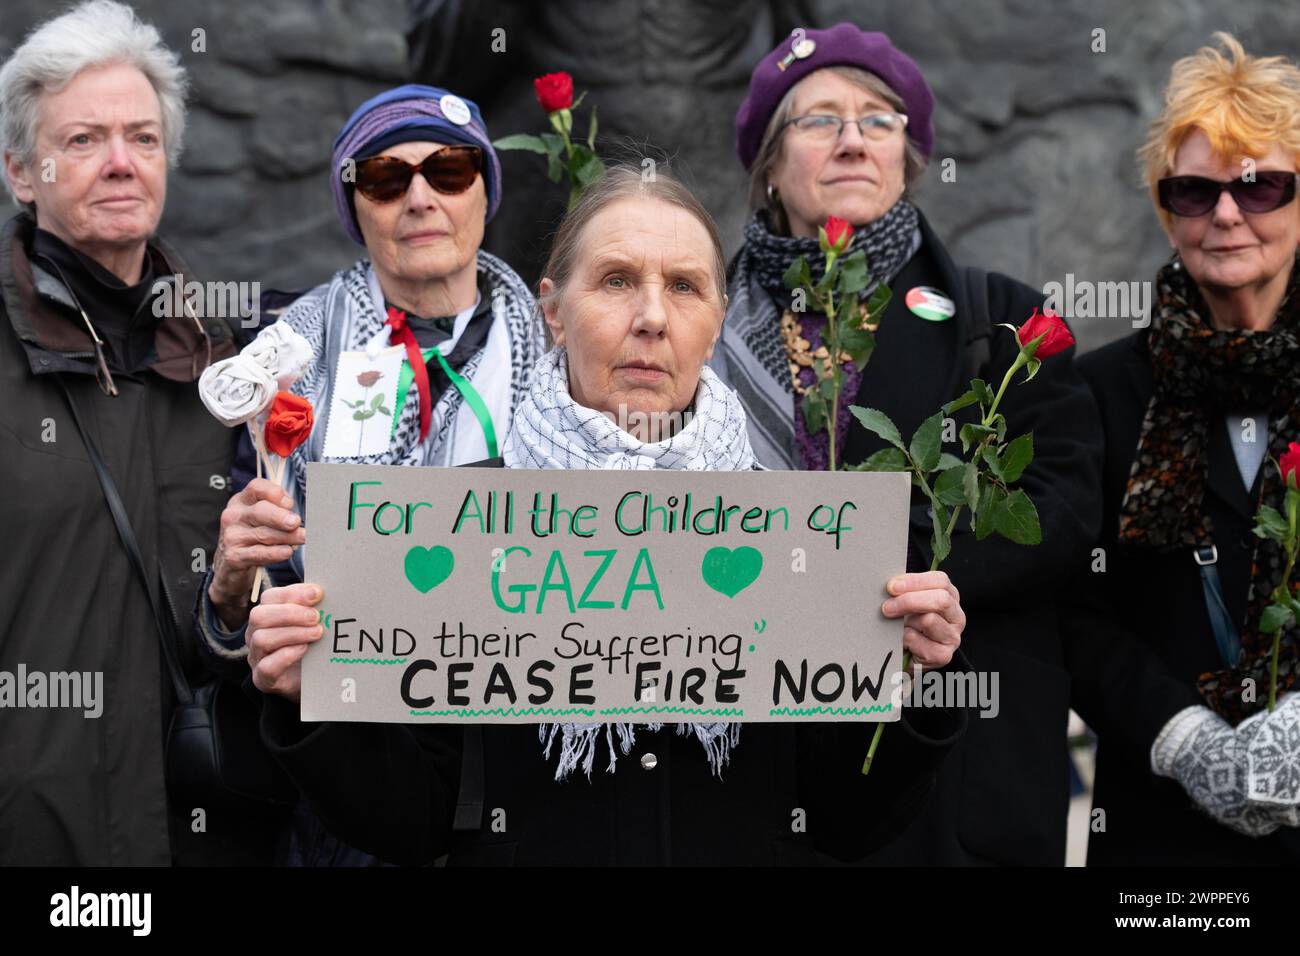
<point x="1042" y="129"/>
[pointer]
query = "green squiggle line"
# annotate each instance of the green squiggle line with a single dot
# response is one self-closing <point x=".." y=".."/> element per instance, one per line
<point x="506" y="712"/>
<point x="808" y="711"/>
<point x="366" y="660"/>
<point x="718" y="711"/>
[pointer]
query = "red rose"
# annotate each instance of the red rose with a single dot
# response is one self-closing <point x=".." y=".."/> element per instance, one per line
<point x="838" y="233"/>
<point x="1290" y="462"/>
<point x="288" y="424"/>
<point x="1058" y="334"/>
<point x="366" y="379"/>
<point x="554" y="91"/>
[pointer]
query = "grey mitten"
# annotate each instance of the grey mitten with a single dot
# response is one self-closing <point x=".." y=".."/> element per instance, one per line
<point x="1202" y="751"/>
<point x="1272" y="742"/>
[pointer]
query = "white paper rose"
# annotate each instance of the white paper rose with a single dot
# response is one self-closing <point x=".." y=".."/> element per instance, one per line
<point x="281" y="351"/>
<point x="236" y="390"/>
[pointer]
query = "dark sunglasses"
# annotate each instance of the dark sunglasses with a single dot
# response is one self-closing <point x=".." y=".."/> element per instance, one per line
<point x="450" y="170"/>
<point x="1195" y="195"/>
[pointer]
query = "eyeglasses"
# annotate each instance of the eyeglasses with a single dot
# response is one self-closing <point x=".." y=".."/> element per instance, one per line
<point x="1193" y="196"/>
<point x="824" y="128"/>
<point x="450" y="171"/>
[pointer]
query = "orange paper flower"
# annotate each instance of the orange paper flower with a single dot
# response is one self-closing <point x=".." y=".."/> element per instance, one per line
<point x="288" y="424"/>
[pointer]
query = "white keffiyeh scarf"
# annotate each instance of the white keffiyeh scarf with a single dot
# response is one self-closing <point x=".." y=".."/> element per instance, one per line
<point x="551" y="430"/>
<point x="347" y="312"/>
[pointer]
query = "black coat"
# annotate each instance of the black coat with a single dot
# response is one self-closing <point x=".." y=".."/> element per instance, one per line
<point x="484" y="795"/>
<point x="1005" y="796"/>
<point x="77" y="790"/>
<point x="1144" y="637"/>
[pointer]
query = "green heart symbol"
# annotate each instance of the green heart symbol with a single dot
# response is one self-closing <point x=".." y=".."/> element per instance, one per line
<point x="730" y="572"/>
<point x="426" y="568"/>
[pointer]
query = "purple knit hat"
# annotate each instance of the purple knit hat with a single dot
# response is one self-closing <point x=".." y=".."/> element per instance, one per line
<point x="841" y="45"/>
<point x="410" y="112"/>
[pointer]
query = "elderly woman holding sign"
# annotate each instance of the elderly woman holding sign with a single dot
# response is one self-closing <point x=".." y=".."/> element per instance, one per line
<point x="417" y="355"/>
<point x="633" y="296"/>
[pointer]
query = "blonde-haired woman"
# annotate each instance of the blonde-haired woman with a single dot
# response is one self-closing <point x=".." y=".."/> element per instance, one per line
<point x="1195" y="407"/>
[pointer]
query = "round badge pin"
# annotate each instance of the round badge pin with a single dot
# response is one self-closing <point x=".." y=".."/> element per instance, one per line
<point x="454" y="108"/>
<point x="930" y="304"/>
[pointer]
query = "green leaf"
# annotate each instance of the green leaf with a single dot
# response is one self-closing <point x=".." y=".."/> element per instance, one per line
<point x="960" y="402"/>
<point x="533" y="144"/>
<point x="990" y="456"/>
<point x="853" y="276"/>
<point x="798" y="275"/>
<point x="1017" y="520"/>
<point x="377" y="401"/>
<point x="591" y="130"/>
<point x="825" y="283"/>
<point x="814" y="413"/>
<point x="947" y="461"/>
<point x="949" y="487"/>
<point x="554" y="144"/>
<point x="383" y="410"/>
<point x="827" y="388"/>
<point x="578" y="102"/>
<point x="972" y="435"/>
<point x="971" y="485"/>
<point x="1000" y="426"/>
<point x="585" y="166"/>
<point x="1274" y="618"/>
<point x="360" y="416"/>
<point x="878" y="301"/>
<point x="1270" y="524"/>
<point x="927" y="442"/>
<point x="887" y="459"/>
<point x="878" y="423"/>
<point x="991" y="499"/>
<point x="981" y="389"/>
<point x="554" y="167"/>
<point x="1032" y="367"/>
<point x="846" y="313"/>
<point x="939" y="539"/>
<point x="1016" y="457"/>
<point x="858" y="342"/>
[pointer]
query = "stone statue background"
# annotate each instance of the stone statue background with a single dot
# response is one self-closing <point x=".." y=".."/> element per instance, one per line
<point x="1042" y="129"/>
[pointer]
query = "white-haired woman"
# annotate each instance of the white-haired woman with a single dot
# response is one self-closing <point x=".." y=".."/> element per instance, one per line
<point x="91" y="115"/>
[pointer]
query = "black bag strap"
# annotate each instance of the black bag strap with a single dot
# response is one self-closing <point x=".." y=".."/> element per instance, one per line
<point x="1226" y="638"/>
<point x="979" y="322"/>
<point x="165" y="626"/>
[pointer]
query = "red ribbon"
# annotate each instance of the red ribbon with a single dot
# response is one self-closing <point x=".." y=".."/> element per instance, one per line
<point x="403" y="335"/>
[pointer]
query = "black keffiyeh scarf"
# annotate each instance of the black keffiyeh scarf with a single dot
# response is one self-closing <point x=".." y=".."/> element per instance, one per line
<point x="1203" y="373"/>
<point x="753" y="358"/>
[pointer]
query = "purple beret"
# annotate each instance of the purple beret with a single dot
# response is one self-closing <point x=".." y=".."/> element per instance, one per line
<point x="841" y="45"/>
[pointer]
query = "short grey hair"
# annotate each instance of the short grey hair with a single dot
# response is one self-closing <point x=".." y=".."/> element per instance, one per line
<point x="769" y="149"/>
<point x="91" y="34"/>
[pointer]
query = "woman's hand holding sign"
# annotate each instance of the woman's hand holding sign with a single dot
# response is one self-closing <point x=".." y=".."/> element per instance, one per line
<point x="280" y="630"/>
<point x="933" y="620"/>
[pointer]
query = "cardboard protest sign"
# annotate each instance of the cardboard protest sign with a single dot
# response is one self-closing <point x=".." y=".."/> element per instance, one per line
<point x="520" y="596"/>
